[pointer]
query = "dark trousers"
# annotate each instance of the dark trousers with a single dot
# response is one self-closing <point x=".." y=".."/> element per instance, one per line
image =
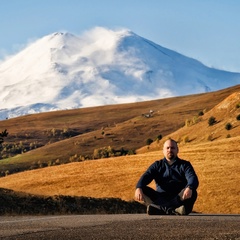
<point x="170" y="201"/>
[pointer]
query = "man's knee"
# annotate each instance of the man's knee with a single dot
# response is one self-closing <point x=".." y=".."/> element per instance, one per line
<point x="149" y="195"/>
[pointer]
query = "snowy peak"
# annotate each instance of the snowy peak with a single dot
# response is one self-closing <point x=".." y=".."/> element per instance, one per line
<point x="102" y="66"/>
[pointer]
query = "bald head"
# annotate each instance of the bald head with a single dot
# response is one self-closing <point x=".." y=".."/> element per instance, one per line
<point x="170" y="149"/>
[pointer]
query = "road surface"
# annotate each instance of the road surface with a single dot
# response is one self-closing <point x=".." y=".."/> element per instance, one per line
<point x="120" y="226"/>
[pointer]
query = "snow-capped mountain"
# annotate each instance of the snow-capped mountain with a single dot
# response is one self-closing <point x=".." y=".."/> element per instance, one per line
<point x="63" y="71"/>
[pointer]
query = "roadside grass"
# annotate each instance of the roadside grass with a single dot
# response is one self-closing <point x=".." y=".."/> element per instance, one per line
<point x="18" y="203"/>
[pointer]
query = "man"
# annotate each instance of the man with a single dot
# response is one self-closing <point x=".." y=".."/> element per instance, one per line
<point x="176" y="184"/>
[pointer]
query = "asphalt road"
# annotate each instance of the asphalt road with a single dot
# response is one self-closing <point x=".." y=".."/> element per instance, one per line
<point x="122" y="226"/>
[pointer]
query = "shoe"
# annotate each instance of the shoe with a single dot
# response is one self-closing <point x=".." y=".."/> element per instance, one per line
<point x="180" y="210"/>
<point x="153" y="209"/>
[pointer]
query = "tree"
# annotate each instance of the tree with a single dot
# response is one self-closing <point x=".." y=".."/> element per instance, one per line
<point x="228" y="126"/>
<point x="211" y="121"/>
<point x="149" y="141"/>
<point x="2" y="135"/>
<point x="159" y="137"/>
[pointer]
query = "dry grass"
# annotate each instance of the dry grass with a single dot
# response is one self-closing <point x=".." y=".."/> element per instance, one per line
<point x="216" y="161"/>
<point x="123" y="125"/>
<point x="215" y="164"/>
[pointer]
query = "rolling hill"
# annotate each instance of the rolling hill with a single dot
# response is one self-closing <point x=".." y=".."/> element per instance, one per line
<point x="213" y="150"/>
<point x="122" y="126"/>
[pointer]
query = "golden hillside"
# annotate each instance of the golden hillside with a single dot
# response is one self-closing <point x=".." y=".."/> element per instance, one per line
<point x="213" y="151"/>
<point x="215" y="163"/>
<point x="65" y="136"/>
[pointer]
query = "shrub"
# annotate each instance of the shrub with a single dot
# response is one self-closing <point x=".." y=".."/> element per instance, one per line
<point x="2" y="135"/>
<point x="238" y="105"/>
<point x="149" y="141"/>
<point x="194" y="120"/>
<point x="210" y="137"/>
<point x="131" y="152"/>
<point x="57" y="162"/>
<point x="103" y="152"/>
<point x="187" y="123"/>
<point x="238" y="117"/>
<point x="201" y="113"/>
<point x="159" y="137"/>
<point x="186" y="139"/>
<point x="228" y="126"/>
<point x="74" y="158"/>
<point x="211" y="121"/>
<point x="228" y="136"/>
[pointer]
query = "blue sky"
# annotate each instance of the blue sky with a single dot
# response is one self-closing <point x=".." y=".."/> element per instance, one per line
<point x="207" y="30"/>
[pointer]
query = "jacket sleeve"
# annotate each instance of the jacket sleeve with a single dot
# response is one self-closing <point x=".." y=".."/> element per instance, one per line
<point x="147" y="177"/>
<point x="191" y="176"/>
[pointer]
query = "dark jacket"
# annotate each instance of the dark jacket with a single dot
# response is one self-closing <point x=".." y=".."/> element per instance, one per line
<point x="170" y="178"/>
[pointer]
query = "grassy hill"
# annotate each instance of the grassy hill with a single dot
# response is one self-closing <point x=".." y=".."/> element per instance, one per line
<point x="215" y="163"/>
<point x="213" y="150"/>
<point x="73" y="135"/>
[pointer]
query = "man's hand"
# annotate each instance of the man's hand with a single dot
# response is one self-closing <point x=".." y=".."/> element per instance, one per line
<point x="187" y="193"/>
<point x="139" y="194"/>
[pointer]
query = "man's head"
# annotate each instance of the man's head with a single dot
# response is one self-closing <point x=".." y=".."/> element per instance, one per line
<point x="170" y="149"/>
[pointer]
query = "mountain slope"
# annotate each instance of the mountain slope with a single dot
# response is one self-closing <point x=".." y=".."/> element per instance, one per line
<point x="118" y="126"/>
<point x="63" y="71"/>
<point x="197" y="128"/>
<point x="225" y="113"/>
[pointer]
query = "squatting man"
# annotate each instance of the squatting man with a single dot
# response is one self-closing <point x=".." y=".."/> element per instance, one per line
<point x="176" y="184"/>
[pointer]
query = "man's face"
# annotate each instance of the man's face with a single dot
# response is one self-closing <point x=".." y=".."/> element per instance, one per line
<point x="170" y="150"/>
